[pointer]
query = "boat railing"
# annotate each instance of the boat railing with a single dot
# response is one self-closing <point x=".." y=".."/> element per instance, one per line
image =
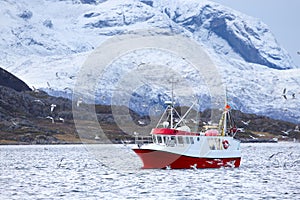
<point x="143" y="139"/>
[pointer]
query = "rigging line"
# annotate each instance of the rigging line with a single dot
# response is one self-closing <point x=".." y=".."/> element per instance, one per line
<point x="162" y="117"/>
<point x="186" y="113"/>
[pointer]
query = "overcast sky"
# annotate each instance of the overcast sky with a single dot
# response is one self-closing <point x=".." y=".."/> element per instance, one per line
<point x="282" y="17"/>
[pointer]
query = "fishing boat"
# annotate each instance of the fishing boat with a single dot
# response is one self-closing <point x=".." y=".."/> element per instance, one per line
<point x="172" y="144"/>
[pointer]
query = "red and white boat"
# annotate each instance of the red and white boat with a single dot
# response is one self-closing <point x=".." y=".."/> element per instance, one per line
<point x="175" y="146"/>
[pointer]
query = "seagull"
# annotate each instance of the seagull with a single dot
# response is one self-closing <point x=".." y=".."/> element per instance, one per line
<point x="59" y="164"/>
<point x="275" y="154"/>
<point x="67" y="88"/>
<point x="168" y="167"/>
<point x="48" y="117"/>
<point x="39" y="101"/>
<point x="246" y="123"/>
<point x="297" y="129"/>
<point x="14" y="123"/>
<point x="231" y="164"/>
<point x="52" y="107"/>
<point x="61" y="119"/>
<point x="79" y="102"/>
<point x="48" y="84"/>
<point x="293" y="96"/>
<point x="286" y="132"/>
<point x="144" y="105"/>
<point x="242" y="130"/>
<point x="284" y="93"/>
<point x="195" y="122"/>
<point x="141" y="122"/>
<point x="35" y="90"/>
<point x="123" y="142"/>
<point x="194" y="166"/>
<point x="298" y="52"/>
<point x="252" y="137"/>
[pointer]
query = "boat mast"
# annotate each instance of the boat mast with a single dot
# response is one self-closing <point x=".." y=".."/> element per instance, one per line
<point x="223" y="121"/>
<point x="172" y="103"/>
<point x="225" y="113"/>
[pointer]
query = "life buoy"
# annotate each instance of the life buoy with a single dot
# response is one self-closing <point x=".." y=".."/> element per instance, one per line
<point x="225" y="144"/>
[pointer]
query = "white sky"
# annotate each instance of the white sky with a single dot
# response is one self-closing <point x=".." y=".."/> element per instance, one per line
<point x="282" y="17"/>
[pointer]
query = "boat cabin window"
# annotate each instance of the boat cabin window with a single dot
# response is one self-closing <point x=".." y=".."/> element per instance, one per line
<point x="187" y="140"/>
<point x="171" y="141"/>
<point x="192" y="140"/>
<point x="159" y="139"/>
<point x="154" y="138"/>
<point x="165" y="139"/>
<point x="180" y="139"/>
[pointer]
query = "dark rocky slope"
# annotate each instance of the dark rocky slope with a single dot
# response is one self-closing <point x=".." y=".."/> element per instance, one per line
<point x="9" y="80"/>
<point x="25" y="119"/>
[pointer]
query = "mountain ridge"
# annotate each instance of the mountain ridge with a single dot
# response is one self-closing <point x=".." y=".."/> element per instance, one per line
<point x="47" y="50"/>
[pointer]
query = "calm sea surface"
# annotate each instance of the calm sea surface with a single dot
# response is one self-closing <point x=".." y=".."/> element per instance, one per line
<point x="267" y="171"/>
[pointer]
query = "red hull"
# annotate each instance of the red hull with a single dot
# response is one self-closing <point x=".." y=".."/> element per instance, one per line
<point x="160" y="160"/>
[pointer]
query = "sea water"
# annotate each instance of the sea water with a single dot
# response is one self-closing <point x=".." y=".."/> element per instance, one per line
<point x="267" y="171"/>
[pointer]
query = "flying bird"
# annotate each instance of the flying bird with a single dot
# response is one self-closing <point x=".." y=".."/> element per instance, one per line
<point x="242" y="130"/>
<point x="275" y="154"/>
<point x="49" y="117"/>
<point x="59" y="164"/>
<point x="284" y="94"/>
<point x="79" y="102"/>
<point x="39" y="101"/>
<point x="141" y="122"/>
<point x="67" y="88"/>
<point x="246" y="123"/>
<point x="52" y="106"/>
<point x="195" y="122"/>
<point x="61" y="119"/>
<point x="297" y="129"/>
<point x="35" y="90"/>
<point x="286" y="132"/>
<point x="14" y="123"/>
<point x="293" y="96"/>
<point x="194" y="166"/>
<point x="144" y="105"/>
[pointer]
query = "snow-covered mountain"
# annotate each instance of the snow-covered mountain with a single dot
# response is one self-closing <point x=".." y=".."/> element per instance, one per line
<point x="45" y="43"/>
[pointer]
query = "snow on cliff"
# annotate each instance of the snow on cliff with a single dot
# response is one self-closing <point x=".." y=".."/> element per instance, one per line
<point x="46" y="43"/>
